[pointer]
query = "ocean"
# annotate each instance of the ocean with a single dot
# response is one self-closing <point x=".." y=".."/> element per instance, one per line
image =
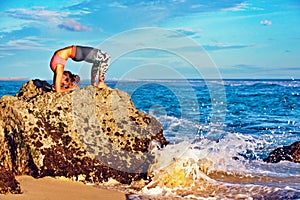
<point x="231" y="125"/>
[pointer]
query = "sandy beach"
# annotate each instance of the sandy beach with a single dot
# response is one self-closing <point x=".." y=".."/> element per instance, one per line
<point x="50" y="188"/>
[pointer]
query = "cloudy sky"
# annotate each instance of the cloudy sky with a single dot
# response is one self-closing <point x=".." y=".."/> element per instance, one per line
<point x="154" y="38"/>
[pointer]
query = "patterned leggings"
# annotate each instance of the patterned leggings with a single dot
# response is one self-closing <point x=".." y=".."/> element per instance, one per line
<point x="100" y="60"/>
<point x="100" y="66"/>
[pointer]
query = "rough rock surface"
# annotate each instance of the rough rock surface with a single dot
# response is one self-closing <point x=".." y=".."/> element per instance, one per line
<point x="87" y="135"/>
<point x="288" y="153"/>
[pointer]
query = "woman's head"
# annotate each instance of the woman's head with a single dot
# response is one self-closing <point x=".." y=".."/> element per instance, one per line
<point x="69" y="79"/>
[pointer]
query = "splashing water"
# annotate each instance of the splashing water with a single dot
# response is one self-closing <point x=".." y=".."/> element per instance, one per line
<point x="210" y="169"/>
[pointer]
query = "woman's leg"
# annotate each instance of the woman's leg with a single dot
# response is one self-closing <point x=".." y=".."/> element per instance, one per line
<point x="99" y="59"/>
<point x="94" y="72"/>
<point x="104" y="59"/>
<point x="100" y="66"/>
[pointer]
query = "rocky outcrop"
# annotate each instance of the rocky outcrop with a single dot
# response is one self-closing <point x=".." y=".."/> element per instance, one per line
<point x="8" y="183"/>
<point x="87" y="135"/>
<point x="287" y="153"/>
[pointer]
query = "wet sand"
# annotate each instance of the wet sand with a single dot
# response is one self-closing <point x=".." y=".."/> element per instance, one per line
<point x="50" y="188"/>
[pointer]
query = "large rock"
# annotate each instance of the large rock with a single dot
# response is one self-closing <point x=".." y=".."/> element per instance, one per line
<point x="8" y="183"/>
<point x="87" y="135"/>
<point x="287" y="153"/>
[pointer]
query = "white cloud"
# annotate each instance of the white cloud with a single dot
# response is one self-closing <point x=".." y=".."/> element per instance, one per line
<point x="188" y="31"/>
<point x="37" y="14"/>
<point x="24" y="44"/>
<point x="117" y="5"/>
<point x="4" y="54"/>
<point x="196" y="6"/>
<point x="257" y="9"/>
<point x="238" y="7"/>
<point x="222" y="46"/>
<point x="73" y="25"/>
<point x="178" y="1"/>
<point x="266" y="22"/>
<point x="40" y="14"/>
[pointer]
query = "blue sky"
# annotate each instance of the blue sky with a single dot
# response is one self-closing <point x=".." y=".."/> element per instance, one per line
<point x="155" y="39"/>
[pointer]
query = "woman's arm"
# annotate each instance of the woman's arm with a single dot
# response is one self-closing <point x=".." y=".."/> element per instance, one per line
<point x="59" y="70"/>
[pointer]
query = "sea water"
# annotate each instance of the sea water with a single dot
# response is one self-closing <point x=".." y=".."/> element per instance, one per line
<point x="219" y="131"/>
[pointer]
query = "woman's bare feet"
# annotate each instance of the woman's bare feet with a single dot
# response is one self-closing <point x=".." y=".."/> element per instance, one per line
<point x="102" y="85"/>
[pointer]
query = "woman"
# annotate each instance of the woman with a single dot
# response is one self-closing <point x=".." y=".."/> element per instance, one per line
<point x="99" y="59"/>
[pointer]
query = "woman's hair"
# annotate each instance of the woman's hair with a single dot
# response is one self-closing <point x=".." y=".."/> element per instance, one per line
<point x="72" y="78"/>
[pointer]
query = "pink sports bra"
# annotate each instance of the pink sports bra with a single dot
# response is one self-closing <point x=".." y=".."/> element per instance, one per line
<point x="56" y="59"/>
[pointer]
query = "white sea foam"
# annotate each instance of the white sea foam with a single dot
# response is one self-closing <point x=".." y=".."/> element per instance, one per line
<point x="230" y="156"/>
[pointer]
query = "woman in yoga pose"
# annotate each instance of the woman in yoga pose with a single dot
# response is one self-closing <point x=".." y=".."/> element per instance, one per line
<point x="98" y="58"/>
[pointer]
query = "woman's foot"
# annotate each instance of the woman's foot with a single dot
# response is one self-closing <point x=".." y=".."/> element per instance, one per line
<point x="102" y="85"/>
